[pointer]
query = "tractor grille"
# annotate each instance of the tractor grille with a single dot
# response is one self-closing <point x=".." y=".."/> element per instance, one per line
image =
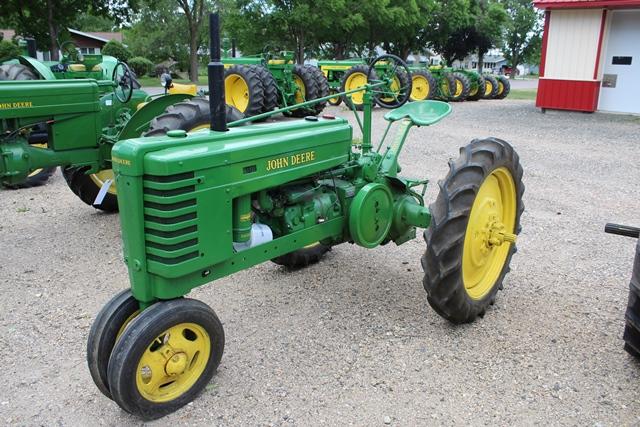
<point x="170" y="218"/>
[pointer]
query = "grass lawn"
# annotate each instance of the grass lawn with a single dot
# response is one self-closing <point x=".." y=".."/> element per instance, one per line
<point x="527" y="94"/>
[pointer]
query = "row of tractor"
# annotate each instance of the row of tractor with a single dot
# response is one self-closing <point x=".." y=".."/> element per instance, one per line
<point x="261" y="83"/>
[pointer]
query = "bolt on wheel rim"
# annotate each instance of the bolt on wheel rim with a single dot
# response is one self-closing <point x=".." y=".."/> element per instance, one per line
<point x="489" y="234"/>
<point x="173" y="362"/>
<point x="355" y="81"/>
<point x="237" y="92"/>
<point x="99" y="178"/>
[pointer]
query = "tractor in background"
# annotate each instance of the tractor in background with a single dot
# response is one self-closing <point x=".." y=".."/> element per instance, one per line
<point x="74" y="123"/>
<point x="346" y="75"/>
<point x="258" y="84"/>
<point x="73" y="65"/>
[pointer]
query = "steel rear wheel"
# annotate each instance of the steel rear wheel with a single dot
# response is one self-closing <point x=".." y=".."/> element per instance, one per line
<point x="475" y="221"/>
<point x="165" y="358"/>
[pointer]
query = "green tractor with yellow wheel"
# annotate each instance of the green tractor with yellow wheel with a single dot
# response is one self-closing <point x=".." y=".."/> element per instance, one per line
<point x="74" y="123"/>
<point x="261" y="83"/>
<point x="203" y="205"/>
<point x="346" y="75"/>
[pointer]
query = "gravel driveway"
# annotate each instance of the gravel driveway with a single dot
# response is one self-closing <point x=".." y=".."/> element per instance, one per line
<point x="352" y="340"/>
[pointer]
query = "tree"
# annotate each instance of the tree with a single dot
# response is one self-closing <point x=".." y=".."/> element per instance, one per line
<point x="489" y="27"/>
<point x="194" y="12"/>
<point x="522" y="36"/>
<point x="46" y="19"/>
<point x="449" y="27"/>
<point x="9" y="50"/>
<point x="116" y="49"/>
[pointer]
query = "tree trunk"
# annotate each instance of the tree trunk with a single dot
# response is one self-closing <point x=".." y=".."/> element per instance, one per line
<point x="300" y="49"/>
<point x="514" y="66"/>
<point x="193" y="54"/>
<point x="480" y="61"/>
<point x="53" y="32"/>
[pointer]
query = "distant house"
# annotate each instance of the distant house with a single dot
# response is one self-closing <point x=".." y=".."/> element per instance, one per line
<point x="87" y="42"/>
<point x="493" y="62"/>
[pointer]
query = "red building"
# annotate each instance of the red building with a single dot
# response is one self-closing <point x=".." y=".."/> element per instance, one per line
<point x="590" y="55"/>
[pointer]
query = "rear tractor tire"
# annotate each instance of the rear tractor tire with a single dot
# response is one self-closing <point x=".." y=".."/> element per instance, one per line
<point x="477" y="89"/>
<point x="271" y="95"/>
<point x="490" y="87"/>
<point x="38" y="177"/>
<point x="189" y="115"/>
<point x="462" y="87"/>
<point x="423" y="85"/>
<point x="353" y="78"/>
<point x="303" y="257"/>
<point x="471" y="239"/>
<point x="244" y="89"/>
<point x="632" y="316"/>
<point x="322" y="85"/>
<point x="504" y="87"/>
<point x="307" y="89"/>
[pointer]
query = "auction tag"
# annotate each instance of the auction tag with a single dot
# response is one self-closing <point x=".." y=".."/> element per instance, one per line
<point x="102" y="193"/>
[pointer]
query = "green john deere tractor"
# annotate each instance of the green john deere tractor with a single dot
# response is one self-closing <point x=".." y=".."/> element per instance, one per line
<point x="345" y="75"/>
<point x="74" y="123"/>
<point x="73" y="65"/>
<point x="203" y="205"/>
<point x="261" y="83"/>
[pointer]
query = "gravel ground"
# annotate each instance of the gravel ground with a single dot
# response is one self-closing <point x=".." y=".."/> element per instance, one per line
<point x="352" y="340"/>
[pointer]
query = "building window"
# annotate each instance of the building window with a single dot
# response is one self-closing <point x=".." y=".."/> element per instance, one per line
<point x="87" y="50"/>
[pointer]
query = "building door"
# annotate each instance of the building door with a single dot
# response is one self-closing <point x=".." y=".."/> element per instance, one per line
<point x="620" y="90"/>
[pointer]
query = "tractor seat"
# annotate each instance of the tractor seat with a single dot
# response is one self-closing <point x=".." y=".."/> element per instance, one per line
<point x="421" y="113"/>
<point x="77" y="67"/>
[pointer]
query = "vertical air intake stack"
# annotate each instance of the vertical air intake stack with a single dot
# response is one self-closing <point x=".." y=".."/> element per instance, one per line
<point x="215" y="71"/>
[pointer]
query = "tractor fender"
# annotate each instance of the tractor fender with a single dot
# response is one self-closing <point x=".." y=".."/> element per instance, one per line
<point x="42" y="70"/>
<point x="139" y="121"/>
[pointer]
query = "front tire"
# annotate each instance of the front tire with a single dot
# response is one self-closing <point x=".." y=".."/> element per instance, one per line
<point x="475" y="220"/>
<point x="165" y="358"/>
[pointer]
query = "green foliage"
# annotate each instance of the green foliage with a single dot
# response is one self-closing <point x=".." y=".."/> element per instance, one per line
<point x="522" y="36"/>
<point x="140" y="65"/>
<point x="159" y="33"/>
<point x="8" y="50"/>
<point x="45" y="19"/>
<point x="87" y="21"/>
<point x="116" y="49"/>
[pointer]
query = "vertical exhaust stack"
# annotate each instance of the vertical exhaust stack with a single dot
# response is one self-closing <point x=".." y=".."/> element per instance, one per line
<point x="215" y="71"/>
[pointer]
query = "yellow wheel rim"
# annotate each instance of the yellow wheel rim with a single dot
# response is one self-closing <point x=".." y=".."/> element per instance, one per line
<point x="236" y="92"/>
<point x="500" y="87"/>
<point x="419" y="88"/>
<point x="301" y="92"/>
<point x="101" y="177"/>
<point x="474" y="90"/>
<point x="126" y="323"/>
<point x="173" y="362"/>
<point x="444" y="87"/>
<point x="488" y="88"/>
<point x="489" y="233"/>
<point x="459" y="88"/>
<point x="354" y="81"/>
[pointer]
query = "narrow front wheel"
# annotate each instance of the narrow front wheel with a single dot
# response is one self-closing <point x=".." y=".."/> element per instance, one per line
<point x="165" y="358"/>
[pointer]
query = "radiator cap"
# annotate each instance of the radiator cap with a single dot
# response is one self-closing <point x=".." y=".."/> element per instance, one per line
<point x="177" y="133"/>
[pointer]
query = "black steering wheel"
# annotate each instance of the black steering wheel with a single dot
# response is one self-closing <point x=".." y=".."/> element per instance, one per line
<point x="123" y="79"/>
<point x="396" y="76"/>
